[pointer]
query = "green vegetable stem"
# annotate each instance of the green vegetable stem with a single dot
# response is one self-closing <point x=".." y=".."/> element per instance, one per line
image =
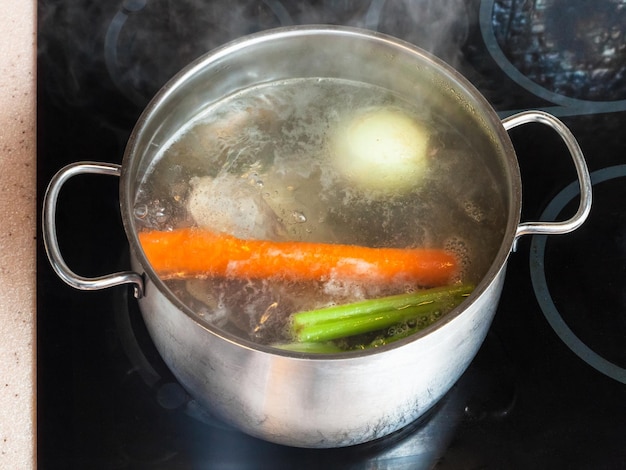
<point x="342" y="321"/>
<point x="326" y="347"/>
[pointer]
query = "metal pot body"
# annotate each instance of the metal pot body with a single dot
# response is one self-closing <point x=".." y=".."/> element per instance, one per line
<point x="313" y="402"/>
<point x="294" y="398"/>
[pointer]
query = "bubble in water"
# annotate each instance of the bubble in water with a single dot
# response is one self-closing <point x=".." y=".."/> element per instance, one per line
<point x="398" y="329"/>
<point x="461" y="250"/>
<point x="141" y="211"/>
<point x="160" y="215"/>
<point x="474" y="211"/>
<point x="153" y="214"/>
<point x="298" y="217"/>
<point x="254" y="179"/>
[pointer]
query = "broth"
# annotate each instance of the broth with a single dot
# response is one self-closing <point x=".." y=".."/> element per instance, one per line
<point x="261" y="165"/>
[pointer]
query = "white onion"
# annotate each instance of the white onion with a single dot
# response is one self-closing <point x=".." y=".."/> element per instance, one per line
<point x="381" y="150"/>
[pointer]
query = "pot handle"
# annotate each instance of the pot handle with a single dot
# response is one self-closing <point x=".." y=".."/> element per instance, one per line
<point x="584" y="180"/>
<point x="50" y="233"/>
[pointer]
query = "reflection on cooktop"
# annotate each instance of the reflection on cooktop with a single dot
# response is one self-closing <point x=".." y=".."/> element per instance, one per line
<point x="569" y="52"/>
<point x="574" y="48"/>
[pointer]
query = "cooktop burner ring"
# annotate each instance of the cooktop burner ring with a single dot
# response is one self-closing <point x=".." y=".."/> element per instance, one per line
<point x="540" y="286"/>
<point x="565" y="105"/>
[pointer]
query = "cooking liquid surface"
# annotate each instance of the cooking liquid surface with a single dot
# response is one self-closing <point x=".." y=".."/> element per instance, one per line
<point x="261" y="164"/>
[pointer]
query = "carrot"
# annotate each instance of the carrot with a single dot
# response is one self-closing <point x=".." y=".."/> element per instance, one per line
<point x="189" y="252"/>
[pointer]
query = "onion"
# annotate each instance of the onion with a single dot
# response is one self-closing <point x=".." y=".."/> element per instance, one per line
<point x="382" y="150"/>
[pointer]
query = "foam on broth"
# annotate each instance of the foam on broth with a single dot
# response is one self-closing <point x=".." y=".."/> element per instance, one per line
<point x="259" y="165"/>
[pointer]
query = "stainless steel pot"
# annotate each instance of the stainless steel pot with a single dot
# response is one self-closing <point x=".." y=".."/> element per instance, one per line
<point x="294" y="398"/>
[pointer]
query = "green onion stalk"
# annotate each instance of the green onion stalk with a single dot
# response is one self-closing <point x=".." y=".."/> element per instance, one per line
<point x="317" y="330"/>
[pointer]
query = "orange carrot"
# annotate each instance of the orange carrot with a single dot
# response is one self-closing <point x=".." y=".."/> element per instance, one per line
<point x="191" y="252"/>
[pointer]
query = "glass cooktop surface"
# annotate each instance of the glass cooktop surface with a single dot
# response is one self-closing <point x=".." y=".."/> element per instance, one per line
<point x="548" y="386"/>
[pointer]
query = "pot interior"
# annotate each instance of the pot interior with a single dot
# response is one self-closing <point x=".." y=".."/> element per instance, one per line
<point x="359" y="61"/>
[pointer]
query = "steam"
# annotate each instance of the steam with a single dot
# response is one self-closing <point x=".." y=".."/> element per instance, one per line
<point x="441" y="27"/>
<point x="129" y="49"/>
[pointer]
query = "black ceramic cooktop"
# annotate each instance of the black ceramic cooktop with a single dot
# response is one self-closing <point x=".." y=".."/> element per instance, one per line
<point x="548" y="387"/>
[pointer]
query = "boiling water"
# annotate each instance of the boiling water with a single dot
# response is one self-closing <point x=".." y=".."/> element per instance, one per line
<point x="260" y="165"/>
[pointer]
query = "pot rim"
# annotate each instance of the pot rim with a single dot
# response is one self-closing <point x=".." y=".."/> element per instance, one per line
<point x="467" y="89"/>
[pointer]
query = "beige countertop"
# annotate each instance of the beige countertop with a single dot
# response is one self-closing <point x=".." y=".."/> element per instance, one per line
<point x="17" y="234"/>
